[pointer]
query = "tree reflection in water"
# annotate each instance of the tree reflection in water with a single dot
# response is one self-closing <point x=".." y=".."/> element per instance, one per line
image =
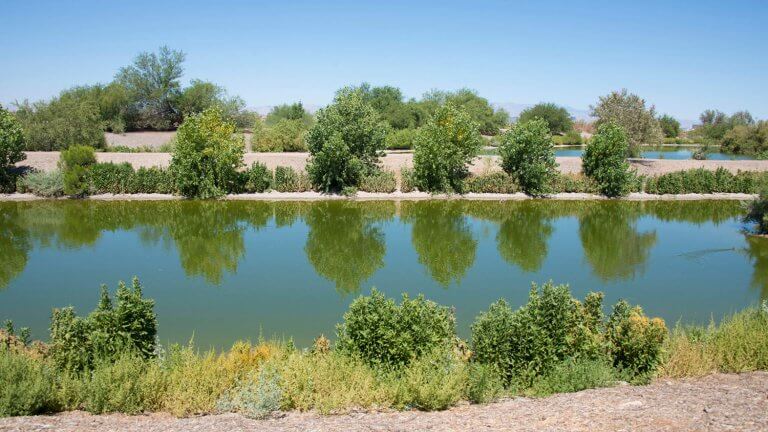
<point x="523" y="236"/>
<point x="14" y="245"/>
<point x="757" y="250"/>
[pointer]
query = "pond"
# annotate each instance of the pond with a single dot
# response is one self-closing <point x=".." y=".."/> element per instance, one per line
<point x="222" y="271"/>
<point x="661" y="152"/>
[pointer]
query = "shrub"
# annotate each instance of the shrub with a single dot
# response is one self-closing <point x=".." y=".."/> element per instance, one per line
<point x="152" y="180"/>
<point x="345" y="143"/>
<point x="737" y="344"/>
<point x="75" y="163"/>
<point x="571" y="137"/>
<point x="288" y="180"/>
<point x="575" y="375"/>
<point x="61" y="123"/>
<point x="549" y="329"/>
<point x="110" y="177"/>
<point x="484" y="383"/>
<point x="254" y="396"/>
<point x="573" y="183"/>
<point x="195" y="382"/>
<point x="383" y="333"/>
<point x="256" y="179"/>
<point x="635" y="340"/>
<point x="207" y="155"/>
<point x="704" y="181"/>
<point x="402" y="139"/>
<point x="283" y="136"/>
<point x="444" y="148"/>
<point x="497" y="182"/>
<point x="332" y="383"/>
<point x="109" y="330"/>
<point x="527" y="155"/>
<point x="758" y="210"/>
<point x="41" y="183"/>
<point x="123" y="384"/>
<point x="669" y="126"/>
<point x="407" y="180"/>
<point x="434" y="381"/>
<point x="379" y="181"/>
<point x="558" y="120"/>
<point x="605" y="161"/>
<point x="11" y="148"/>
<point x="26" y="384"/>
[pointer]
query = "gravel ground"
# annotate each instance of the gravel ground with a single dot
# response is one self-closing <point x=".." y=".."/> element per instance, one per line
<point x="395" y="161"/>
<point x="714" y="403"/>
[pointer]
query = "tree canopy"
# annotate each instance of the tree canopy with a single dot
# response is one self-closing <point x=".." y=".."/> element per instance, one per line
<point x="629" y="112"/>
<point x="558" y="118"/>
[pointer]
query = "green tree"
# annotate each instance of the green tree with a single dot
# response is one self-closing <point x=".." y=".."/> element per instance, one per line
<point x="558" y="118"/>
<point x="605" y="160"/>
<point x="202" y="95"/>
<point x="207" y="155"/>
<point x="670" y="126"/>
<point x="528" y="155"/>
<point x="284" y="136"/>
<point x="75" y="163"/>
<point x="444" y="149"/>
<point x="489" y="121"/>
<point x="11" y="147"/>
<point x="345" y="142"/>
<point x="628" y="111"/>
<point x="153" y="84"/>
<point x="389" y="103"/>
<point x="295" y="112"/>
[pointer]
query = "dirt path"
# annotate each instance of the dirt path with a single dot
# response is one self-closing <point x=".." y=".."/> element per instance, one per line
<point x="714" y="403"/>
<point x="47" y="161"/>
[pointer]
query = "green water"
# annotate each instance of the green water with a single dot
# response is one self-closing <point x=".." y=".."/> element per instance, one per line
<point x="223" y="271"/>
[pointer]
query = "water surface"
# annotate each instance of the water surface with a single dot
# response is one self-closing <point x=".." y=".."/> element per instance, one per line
<point x="661" y="152"/>
<point x="223" y="271"/>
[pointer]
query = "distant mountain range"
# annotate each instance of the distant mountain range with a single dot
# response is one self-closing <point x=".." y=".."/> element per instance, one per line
<point x="514" y="110"/>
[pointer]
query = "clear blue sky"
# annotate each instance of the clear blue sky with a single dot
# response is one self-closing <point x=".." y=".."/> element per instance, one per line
<point x="683" y="56"/>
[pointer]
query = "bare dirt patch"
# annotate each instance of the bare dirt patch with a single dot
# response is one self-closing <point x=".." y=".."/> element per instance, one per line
<point x="721" y="402"/>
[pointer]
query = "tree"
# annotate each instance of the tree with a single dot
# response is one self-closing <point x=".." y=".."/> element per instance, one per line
<point x="284" y="136"/>
<point x="489" y="120"/>
<point x="444" y="149"/>
<point x="293" y="111"/>
<point x="558" y="118"/>
<point x="153" y="84"/>
<point x="527" y="154"/>
<point x="75" y="163"/>
<point x="345" y="143"/>
<point x="11" y="147"/>
<point x="629" y="112"/>
<point x="202" y="95"/>
<point x="670" y="126"/>
<point x="60" y="123"/>
<point x="207" y="155"/>
<point x="605" y="160"/>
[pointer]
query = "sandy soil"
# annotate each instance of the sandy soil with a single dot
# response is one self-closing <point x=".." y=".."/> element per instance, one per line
<point x="713" y="403"/>
<point x="395" y="161"/>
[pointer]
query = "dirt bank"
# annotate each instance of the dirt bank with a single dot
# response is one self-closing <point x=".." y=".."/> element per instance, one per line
<point x="47" y="161"/>
<point x="713" y="403"/>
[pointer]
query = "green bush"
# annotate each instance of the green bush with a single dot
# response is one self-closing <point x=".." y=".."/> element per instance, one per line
<point x="484" y="383"/>
<point x="402" y="139"/>
<point x="26" y="384"/>
<point x="122" y="384"/>
<point x="703" y="181"/>
<point x="636" y="341"/>
<point x="289" y="180"/>
<point x="11" y="148"/>
<point x="604" y="161"/>
<point x="757" y="211"/>
<point x="75" y="163"/>
<point x="669" y="126"/>
<point x="433" y="381"/>
<point x="497" y="182"/>
<point x="345" y="143"/>
<point x="529" y="342"/>
<point x="527" y="154"/>
<point x="207" y="155"/>
<point x="284" y="136"/>
<point x="110" y="177"/>
<point x="256" y="179"/>
<point x="130" y="325"/>
<point x="379" y="181"/>
<point x="381" y="332"/>
<point x="558" y="119"/>
<point x="444" y="149"/>
<point x="628" y="112"/>
<point x="61" y="123"/>
<point x="571" y="137"/>
<point x="573" y="183"/>
<point x="42" y="183"/>
<point x="407" y="180"/>
<point x="152" y="180"/>
<point x="576" y="375"/>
